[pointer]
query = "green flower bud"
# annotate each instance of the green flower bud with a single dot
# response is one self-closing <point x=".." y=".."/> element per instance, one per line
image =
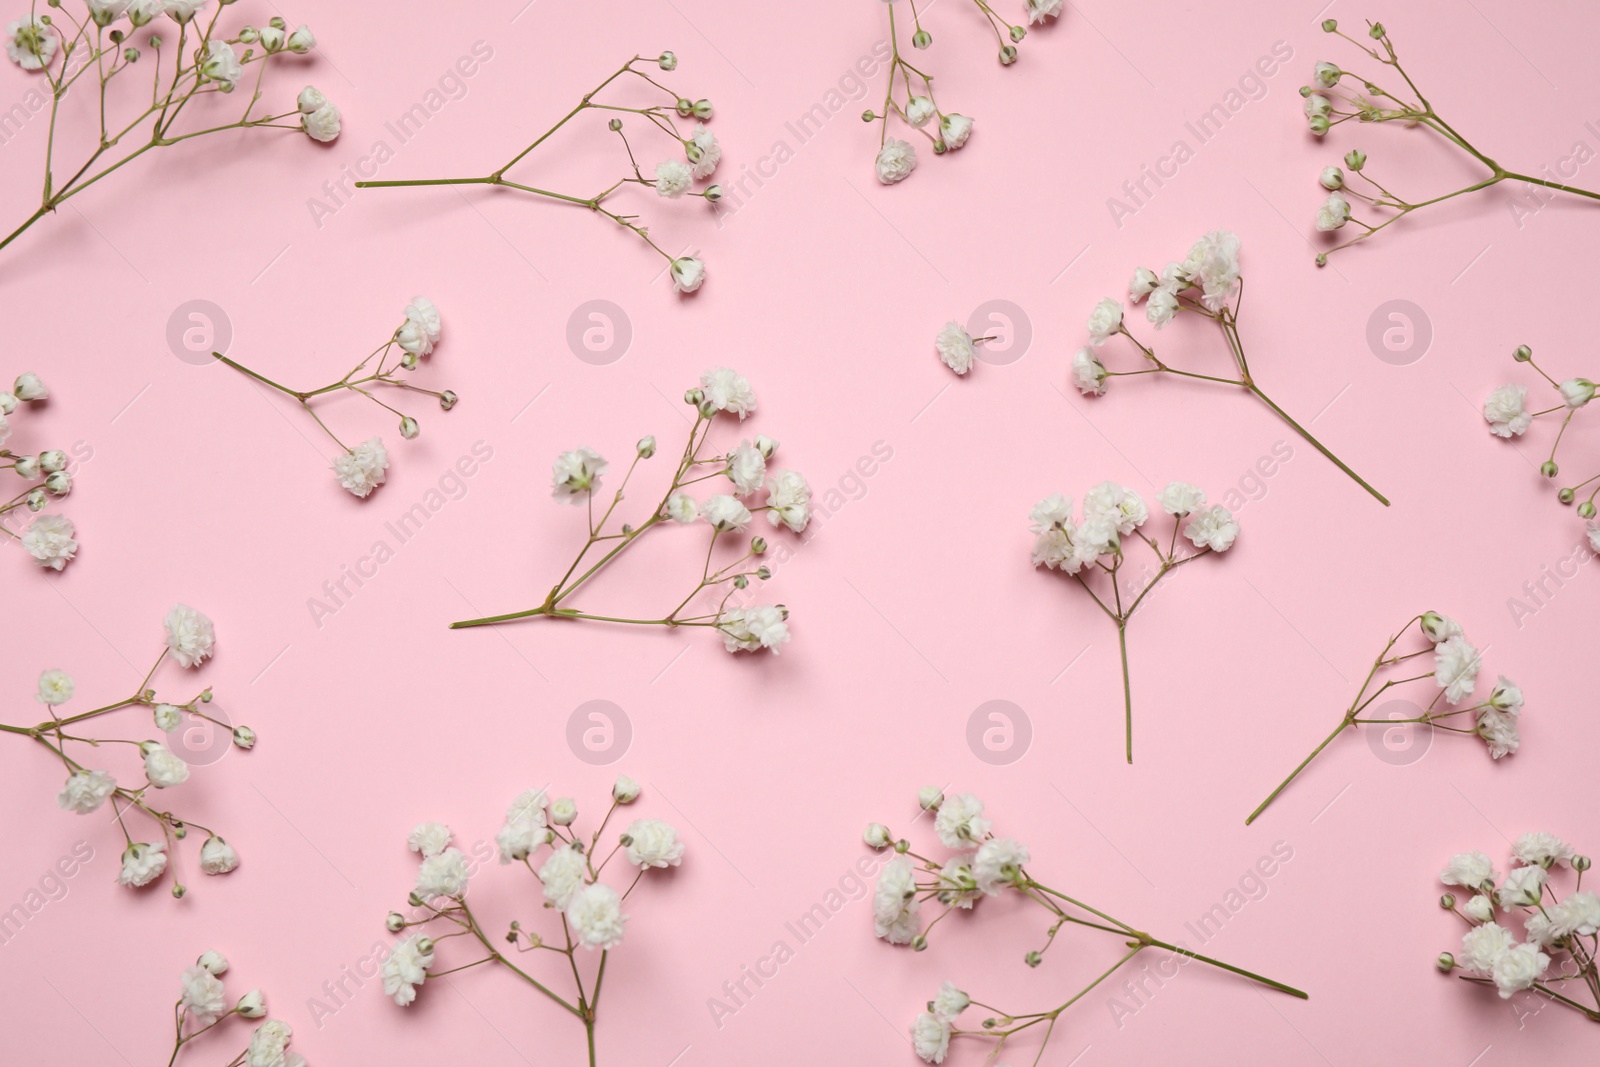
<point x="1522" y="353"/>
<point x="921" y="39"/>
<point x="667" y="61"/>
<point x="1549" y="469"/>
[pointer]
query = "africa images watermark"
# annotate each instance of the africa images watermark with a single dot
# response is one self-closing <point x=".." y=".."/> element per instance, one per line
<point x="1138" y="991"/>
<point x="1538" y="592"/>
<point x="448" y="87"/>
<point x="1250" y="88"/>
<point x="450" y="486"/>
<point x="51" y="887"/>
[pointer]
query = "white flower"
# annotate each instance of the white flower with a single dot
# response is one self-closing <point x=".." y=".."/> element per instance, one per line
<point x="168" y="718"/>
<point x="1089" y="374"/>
<point x="728" y="390"/>
<point x="747" y="468"/>
<point x="1331" y="178"/>
<point x="55" y="688"/>
<point x="406" y="968"/>
<point x="1479" y="909"/>
<point x="1054" y="510"/>
<point x="958" y="886"/>
<point x="190" y="635"/>
<point x="954" y="130"/>
<point x="428" y="838"/>
<point x="322" y="124"/>
<point x="1506" y="696"/>
<point x="919" y="109"/>
<point x="1039" y="10"/>
<point x="1523" y="887"/>
<point x="28" y="387"/>
<point x="595" y="913"/>
<point x="443" y="875"/>
<point x="1483" y="945"/>
<point x="895" y="906"/>
<point x="673" y="178"/>
<point x="896" y="160"/>
<point x="213" y="961"/>
<point x="31" y="43"/>
<point x="576" y="474"/>
<point x="688" y="274"/>
<point x="789" y="500"/>
<point x="1439" y="628"/>
<point x="1505" y="412"/>
<point x="1576" y="391"/>
<point x="253" y="1005"/>
<point x="707" y="153"/>
<point x="929" y="797"/>
<point x="930" y="1038"/>
<point x="181" y="11"/>
<point x="141" y="12"/>
<point x="752" y="629"/>
<point x="1578" y="914"/>
<point x="681" y="507"/>
<point x="1053" y="547"/>
<point x="725" y="513"/>
<point x="876" y="835"/>
<point x="950" y="1001"/>
<point x="1125" y="509"/>
<point x="653" y="844"/>
<point x="1163" y="305"/>
<point x="222" y="65"/>
<point x="200" y="994"/>
<point x="1499" y="732"/>
<point x="218" y="857"/>
<point x="48" y="540"/>
<point x="302" y="41"/>
<point x="999" y="863"/>
<point x="1104" y="320"/>
<point x="1541" y="849"/>
<point x="960" y="822"/>
<point x="422" y="328"/>
<point x="1180" y="498"/>
<point x="956" y="348"/>
<point x="1325" y="75"/>
<point x="142" y="863"/>
<point x="310" y="100"/>
<point x="1455" y="668"/>
<point x="1143" y="283"/>
<point x="161" y="766"/>
<point x="1518" y="968"/>
<point x="1334" y="212"/>
<point x="1213" y="264"/>
<point x="269" y="1046"/>
<point x="625" y="790"/>
<point x="1096" y="537"/>
<point x="561" y="875"/>
<point x="5" y="435"/>
<point x="1318" y="105"/>
<point x="1212" y="526"/>
<point x="361" y="470"/>
<point x="519" y="837"/>
<point x="1469" y="869"/>
<point x="85" y="791"/>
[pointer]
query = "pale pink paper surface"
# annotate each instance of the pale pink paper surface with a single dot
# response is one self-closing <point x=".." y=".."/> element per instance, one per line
<point x="913" y="602"/>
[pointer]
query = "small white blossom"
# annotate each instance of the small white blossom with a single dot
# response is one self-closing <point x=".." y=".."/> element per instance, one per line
<point x="575" y="475"/>
<point x="956" y="348"/>
<point x="361" y="470"/>
<point x="896" y="160"/>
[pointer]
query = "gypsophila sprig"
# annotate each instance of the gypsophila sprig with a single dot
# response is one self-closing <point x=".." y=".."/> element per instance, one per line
<point x="188" y="62"/>
<point x="49" y="538"/>
<point x="725" y="516"/>
<point x="681" y="120"/>
<point x="1557" y="953"/>
<point x="1507" y="412"/>
<point x="1094" y="551"/>
<point x="189" y="641"/>
<point x="1455" y="663"/>
<point x="362" y="469"/>
<point x="1337" y="96"/>
<point x="204" y="1004"/>
<point x="980" y="866"/>
<point x="1208" y="284"/>
<point x="909" y="95"/>
<point x="541" y="835"/>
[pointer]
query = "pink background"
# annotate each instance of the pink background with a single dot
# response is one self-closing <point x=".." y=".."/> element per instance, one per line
<point x="912" y="604"/>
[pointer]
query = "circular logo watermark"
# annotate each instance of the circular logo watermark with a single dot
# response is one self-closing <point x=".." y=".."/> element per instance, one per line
<point x="999" y="732"/>
<point x="599" y="332"/>
<point x="599" y="732"/>
<point x="1404" y="743"/>
<point x="1399" y="332"/>
<point x="1008" y="327"/>
<point x="197" y="328"/>
<point x="198" y="742"/>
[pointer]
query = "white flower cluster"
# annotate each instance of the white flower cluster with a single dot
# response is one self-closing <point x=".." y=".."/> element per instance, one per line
<point x="539" y="834"/>
<point x="1507" y="413"/>
<point x="203" y="1003"/>
<point x="578" y="475"/>
<point x="1113" y="520"/>
<point x="910" y="96"/>
<point x="1456" y="663"/>
<point x="980" y="865"/>
<point x="49" y="538"/>
<point x="1559" y="934"/>
<point x="362" y="468"/>
<point x="100" y="45"/>
<point x="190" y="639"/>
